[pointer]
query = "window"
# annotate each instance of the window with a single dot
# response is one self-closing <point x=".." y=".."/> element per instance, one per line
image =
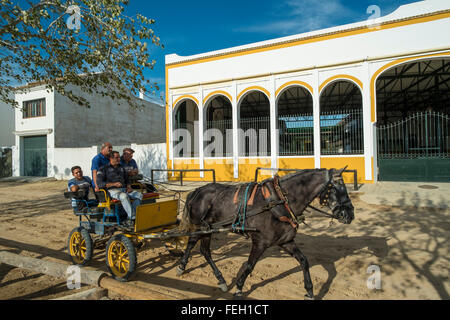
<point x="34" y="108"/>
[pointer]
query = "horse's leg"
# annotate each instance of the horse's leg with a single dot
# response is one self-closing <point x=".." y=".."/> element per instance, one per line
<point x="256" y="253"/>
<point x="294" y="251"/>
<point x="205" y="250"/>
<point x="184" y="260"/>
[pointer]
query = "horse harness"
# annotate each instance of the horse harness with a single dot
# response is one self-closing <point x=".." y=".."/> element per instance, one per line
<point x="276" y="202"/>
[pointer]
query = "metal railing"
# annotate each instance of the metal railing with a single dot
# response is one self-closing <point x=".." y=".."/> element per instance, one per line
<point x="422" y="135"/>
<point x="341" y="132"/>
<point x="181" y="171"/>
<point x="296" y="135"/>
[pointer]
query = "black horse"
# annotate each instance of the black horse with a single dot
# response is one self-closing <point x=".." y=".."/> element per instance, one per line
<point x="215" y="205"/>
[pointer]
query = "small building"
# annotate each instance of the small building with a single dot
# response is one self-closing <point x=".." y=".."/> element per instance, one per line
<point x="372" y="95"/>
<point x="52" y="133"/>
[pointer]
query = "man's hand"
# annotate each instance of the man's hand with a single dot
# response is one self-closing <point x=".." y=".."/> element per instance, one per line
<point x="97" y="189"/>
<point x="129" y="189"/>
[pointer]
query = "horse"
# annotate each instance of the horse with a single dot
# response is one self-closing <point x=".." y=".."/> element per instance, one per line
<point x="215" y="205"/>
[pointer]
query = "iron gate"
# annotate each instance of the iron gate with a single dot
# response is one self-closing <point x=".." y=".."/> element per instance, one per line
<point x="415" y="149"/>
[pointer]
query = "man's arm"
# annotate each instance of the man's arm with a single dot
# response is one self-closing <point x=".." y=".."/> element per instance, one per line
<point x="94" y="177"/>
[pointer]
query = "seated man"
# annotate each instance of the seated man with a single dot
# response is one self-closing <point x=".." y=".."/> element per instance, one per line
<point x="114" y="178"/>
<point x="128" y="163"/>
<point x="80" y="183"/>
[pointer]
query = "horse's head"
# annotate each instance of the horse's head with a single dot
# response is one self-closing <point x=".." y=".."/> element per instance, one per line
<point x="335" y="196"/>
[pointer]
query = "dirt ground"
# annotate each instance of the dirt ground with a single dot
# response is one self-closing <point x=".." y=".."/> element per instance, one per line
<point x="409" y="245"/>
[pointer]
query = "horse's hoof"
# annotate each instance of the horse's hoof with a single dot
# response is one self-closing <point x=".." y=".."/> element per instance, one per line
<point x="179" y="271"/>
<point x="223" y="287"/>
<point x="238" y="295"/>
<point x="309" y="297"/>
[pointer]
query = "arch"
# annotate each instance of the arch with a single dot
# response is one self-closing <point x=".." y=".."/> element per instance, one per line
<point x="289" y="84"/>
<point x="341" y="117"/>
<point x="341" y="77"/>
<point x="394" y="64"/>
<point x="218" y="126"/>
<point x="184" y="123"/>
<point x="295" y="120"/>
<point x="213" y="94"/>
<point x="184" y="97"/>
<point x="252" y="88"/>
<point x="253" y="114"/>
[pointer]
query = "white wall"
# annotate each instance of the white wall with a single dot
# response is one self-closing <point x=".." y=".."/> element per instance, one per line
<point x="66" y="158"/>
<point x="151" y="156"/>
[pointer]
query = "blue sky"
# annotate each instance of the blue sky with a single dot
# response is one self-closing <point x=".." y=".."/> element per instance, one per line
<point x="192" y="27"/>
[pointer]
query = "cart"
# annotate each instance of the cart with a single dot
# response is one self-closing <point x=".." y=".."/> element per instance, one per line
<point x="101" y="227"/>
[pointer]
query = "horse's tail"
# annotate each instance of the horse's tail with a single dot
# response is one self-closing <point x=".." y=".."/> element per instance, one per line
<point x="186" y="224"/>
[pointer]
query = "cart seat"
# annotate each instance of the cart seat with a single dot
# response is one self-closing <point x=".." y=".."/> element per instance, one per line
<point x="150" y="195"/>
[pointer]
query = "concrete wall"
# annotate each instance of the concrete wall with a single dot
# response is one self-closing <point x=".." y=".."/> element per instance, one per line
<point x="106" y="120"/>
<point x="7" y="124"/>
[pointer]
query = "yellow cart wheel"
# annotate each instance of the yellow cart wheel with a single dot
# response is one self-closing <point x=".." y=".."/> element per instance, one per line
<point x="121" y="257"/>
<point x="80" y="246"/>
<point x="176" y="246"/>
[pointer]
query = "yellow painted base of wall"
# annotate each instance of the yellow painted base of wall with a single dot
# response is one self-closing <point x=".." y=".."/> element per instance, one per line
<point x="294" y="163"/>
<point x="225" y="172"/>
<point x="353" y="163"/>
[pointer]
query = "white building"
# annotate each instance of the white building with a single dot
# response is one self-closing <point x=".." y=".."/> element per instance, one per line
<point x="53" y="134"/>
<point x="373" y="95"/>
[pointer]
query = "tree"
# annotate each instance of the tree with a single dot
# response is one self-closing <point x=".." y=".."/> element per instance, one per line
<point x="90" y="44"/>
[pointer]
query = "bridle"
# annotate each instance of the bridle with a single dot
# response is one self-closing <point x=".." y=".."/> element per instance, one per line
<point x="324" y="194"/>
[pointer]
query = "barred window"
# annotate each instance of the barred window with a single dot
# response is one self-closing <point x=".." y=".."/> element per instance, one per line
<point x="34" y="108"/>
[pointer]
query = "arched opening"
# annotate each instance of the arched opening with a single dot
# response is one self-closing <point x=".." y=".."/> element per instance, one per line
<point x="185" y="129"/>
<point x="218" y="137"/>
<point x="295" y="122"/>
<point x="413" y="109"/>
<point x="254" y="125"/>
<point x="341" y="119"/>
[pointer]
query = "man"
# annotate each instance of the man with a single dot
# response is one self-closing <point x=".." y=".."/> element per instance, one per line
<point x="80" y="183"/>
<point x="128" y="163"/>
<point x="114" y="178"/>
<point x="99" y="161"/>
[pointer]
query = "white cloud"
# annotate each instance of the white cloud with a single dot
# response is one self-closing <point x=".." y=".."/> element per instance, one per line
<point x="302" y="16"/>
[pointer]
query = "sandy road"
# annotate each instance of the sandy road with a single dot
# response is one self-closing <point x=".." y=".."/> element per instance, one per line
<point x="410" y="246"/>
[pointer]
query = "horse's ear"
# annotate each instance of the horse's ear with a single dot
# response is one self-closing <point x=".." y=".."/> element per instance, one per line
<point x="342" y="170"/>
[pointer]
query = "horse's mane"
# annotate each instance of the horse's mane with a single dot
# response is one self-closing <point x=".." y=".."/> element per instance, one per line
<point x="299" y="173"/>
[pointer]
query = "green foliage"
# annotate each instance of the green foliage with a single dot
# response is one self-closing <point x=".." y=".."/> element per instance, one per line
<point x="106" y="55"/>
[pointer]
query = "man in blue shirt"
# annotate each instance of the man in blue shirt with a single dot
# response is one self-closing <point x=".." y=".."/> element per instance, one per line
<point x="100" y="160"/>
<point x="128" y="163"/>
<point x="79" y="183"/>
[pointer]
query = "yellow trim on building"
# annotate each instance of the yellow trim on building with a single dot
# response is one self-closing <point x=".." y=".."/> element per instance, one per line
<point x="186" y="96"/>
<point x="217" y="92"/>
<point x="394" y="64"/>
<point x="341" y="77"/>
<point x="294" y="83"/>
<point x="257" y="88"/>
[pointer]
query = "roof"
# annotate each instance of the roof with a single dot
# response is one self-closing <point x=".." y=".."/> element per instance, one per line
<point x="404" y="12"/>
